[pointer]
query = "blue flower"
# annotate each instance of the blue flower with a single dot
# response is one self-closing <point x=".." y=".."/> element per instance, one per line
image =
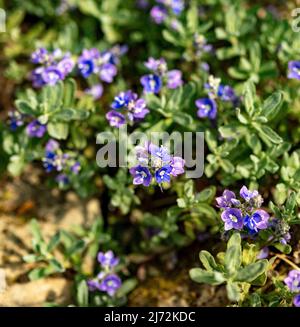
<point x="296" y="301"/>
<point x="86" y="67"/>
<point x="51" y="75"/>
<point x="122" y="99"/>
<point x="293" y="280"/>
<point x="294" y="70"/>
<point x="110" y="284"/>
<point x="226" y="93"/>
<point x="116" y="119"/>
<point x="247" y="194"/>
<point x="141" y="175"/>
<point x="36" y="129"/>
<point x="151" y="83"/>
<point x="233" y="219"/>
<point x="225" y="201"/>
<point x="107" y="260"/>
<point x="163" y="174"/>
<point x="257" y="221"/>
<point x="206" y="108"/>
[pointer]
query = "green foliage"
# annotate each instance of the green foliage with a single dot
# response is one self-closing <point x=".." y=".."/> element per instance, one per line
<point x="237" y="277"/>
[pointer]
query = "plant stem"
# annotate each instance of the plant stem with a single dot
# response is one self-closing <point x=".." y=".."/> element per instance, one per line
<point x="284" y="258"/>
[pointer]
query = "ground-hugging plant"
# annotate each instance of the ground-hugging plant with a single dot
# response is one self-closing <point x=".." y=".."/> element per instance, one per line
<point x="73" y="69"/>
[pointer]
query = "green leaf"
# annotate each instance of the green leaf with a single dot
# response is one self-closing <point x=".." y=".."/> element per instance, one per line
<point x="208" y="277"/>
<point x="291" y="201"/>
<point x="272" y="105"/>
<point x="25" y="108"/>
<point x="252" y="271"/>
<point x="56" y="266"/>
<point x="284" y="248"/>
<point x="38" y="273"/>
<point x="35" y="230"/>
<point x="82" y="294"/>
<point x="54" y="242"/>
<point x="183" y="119"/>
<point x="233" y="291"/>
<point x="206" y="195"/>
<point x="58" y="130"/>
<point x="192" y="17"/>
<point x="233" y="255"/>
<point x="249" y="97"/>
<point x="208" y="261"/>
<point x="76" y="247"/>
<point x="127" y="286"/>
<point x="267" y="133"/>
<point x="69" y="93"/>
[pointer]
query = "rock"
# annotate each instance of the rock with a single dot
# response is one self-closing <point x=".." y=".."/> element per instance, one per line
<point x="2" y="281"/>
<point x="37" y="293"/>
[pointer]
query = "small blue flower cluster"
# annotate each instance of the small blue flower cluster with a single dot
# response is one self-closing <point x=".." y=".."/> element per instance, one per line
<point x="15" y="120"/>
<point x="55" y="66"/>
<point x="167" y="10"/>
<point x="133" y="108"/>
<point x="155" y="160"/>
<point x="34" y="128"/>
<point x="107" y="280"/>
<point x="245" y="213"/>
<point x="292" y="281"/>
<point x="207" y="107"/>
<point x="102" y="64"/>
<point x="294" y="70"/>
<point x="56" y="160"/>
<point x="153" y="82"/>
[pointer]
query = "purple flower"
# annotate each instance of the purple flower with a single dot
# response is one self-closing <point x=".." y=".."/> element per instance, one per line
<point x="177" y="164"/>
<point x="137" y="109"/>
<point x="157" y="65"/>
<point x="232" y="218"/>
<point x="294" y="70"/>
<point x="206" y="108"/>
<point x="263" y="253"/>
<point x="16" y="119"/>
<point x="247" y="194"/>
<point x="95" y="91"/>
<point x="163" y="174"/>
<point x="36" y="77"/>
<point x="108" y="72"/>
<point x="115" y="119"/>
<point x="141" y="175"/>
<point x="151" y="83"/>
<point x="226" y="93"/>
<point x="107" y="260"/>
<point x="93" y="285"/>
<point x="52" y="146"/>
<point x="51" y="75"/>
<point x="174" y="79"/>
<point x="66" y="65"/>
<point x="110" y="284"/>
<point x="296" y="300"/>
<point x="258" y="220"/>
<point x="36" y="129"/>
<point x="158" y="14"/>
<point x="293" y="281"/>
<point x="86" y="67"/>
<point x="75" y="168"/>
<point x="160" y="155"/>
<point x="62" y="179"/>
<point x="225" y="200"/>
<point x="285" y="239"/>
<point x="39" y="56"/>
<point x="177" y="6"/>
<point x="122" y="99"/>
